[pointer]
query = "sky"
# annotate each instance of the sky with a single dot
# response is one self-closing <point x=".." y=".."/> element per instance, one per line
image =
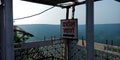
<point x="105" y="12"/>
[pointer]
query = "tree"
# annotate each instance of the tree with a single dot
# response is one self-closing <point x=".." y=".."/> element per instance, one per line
<point x="20" y="35"/>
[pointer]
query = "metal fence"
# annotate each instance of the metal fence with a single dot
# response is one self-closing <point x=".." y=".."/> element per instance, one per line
<point x="55" y="51"/>
<point x="40" y="51"/>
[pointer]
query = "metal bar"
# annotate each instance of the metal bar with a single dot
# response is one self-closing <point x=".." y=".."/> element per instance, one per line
<point x="49" y="2"/>
<point x="66" y="49"/>
<point x="67" y="13"/>
<point x="117" y="0"/>
<point x="36" y="44"/>
<point x="66" y="40"/>
<point x="6" y="30"/>
<point x="1" y="29"/>
<point x="76" y="4"/>
<point x="90" y="29"/>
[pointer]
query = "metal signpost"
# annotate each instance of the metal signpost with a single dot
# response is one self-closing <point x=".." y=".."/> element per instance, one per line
<point x="69" y="32"/>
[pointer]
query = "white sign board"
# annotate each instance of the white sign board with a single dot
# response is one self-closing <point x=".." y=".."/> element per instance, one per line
<point x="69" y="29"/>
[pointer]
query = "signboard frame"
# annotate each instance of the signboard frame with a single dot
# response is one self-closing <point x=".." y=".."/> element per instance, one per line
<point x="69" y="29"/>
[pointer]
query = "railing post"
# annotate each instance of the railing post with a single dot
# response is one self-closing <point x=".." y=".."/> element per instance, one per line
<point x="90" y="29"/>
<point x="6" y="30"/>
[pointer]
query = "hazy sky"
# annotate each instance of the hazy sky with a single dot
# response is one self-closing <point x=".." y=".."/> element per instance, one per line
<point x="106" y="11"/>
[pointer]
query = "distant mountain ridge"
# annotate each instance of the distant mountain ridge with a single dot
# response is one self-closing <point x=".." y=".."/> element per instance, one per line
<point x="102" y="32"/>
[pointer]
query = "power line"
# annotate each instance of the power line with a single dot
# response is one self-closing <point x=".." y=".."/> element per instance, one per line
<point x="34" y="14"/>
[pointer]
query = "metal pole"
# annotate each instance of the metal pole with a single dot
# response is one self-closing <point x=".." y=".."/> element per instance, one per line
<point x="66" y="40"/>
<point x="67" y="13"/>
<point x="6" y="30"/>
<point x="90" y="29"/>
<point x="66" y="49"/>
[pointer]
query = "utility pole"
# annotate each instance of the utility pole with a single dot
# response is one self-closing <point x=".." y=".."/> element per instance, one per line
<point x="90" y="29"/>
<point x="6" y="30"/>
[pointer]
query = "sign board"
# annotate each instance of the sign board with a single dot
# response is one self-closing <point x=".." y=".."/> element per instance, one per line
<point x="69" y="29"/>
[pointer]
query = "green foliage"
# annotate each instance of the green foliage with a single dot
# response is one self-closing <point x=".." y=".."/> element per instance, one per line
<point x="21" y="35"/>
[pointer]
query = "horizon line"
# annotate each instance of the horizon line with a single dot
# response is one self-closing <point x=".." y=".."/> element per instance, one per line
<point x="59" y="24"/>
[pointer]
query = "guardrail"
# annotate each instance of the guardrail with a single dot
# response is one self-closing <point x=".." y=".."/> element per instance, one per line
<point x="50" y="49"/>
